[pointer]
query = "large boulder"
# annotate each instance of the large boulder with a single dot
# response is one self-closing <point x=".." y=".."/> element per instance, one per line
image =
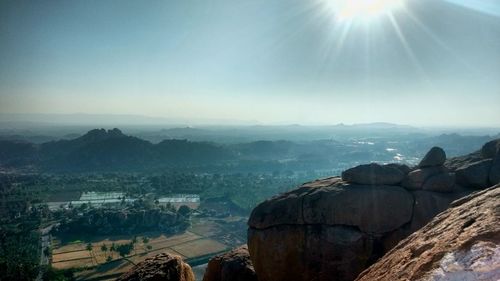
<point x="402" y="167"/>
<point x="369" y="208"/>
<point x="444" y="182"/>
<point x="435" y="157"/>
<point x="462" y="243"/>
<point x="491" y="149"/>
<point x="309" y="252"/>
<point x="416" y="178"/>
<point x="374" y="174"/>
<point x="233" y="265"/>
<point x="475" y="175"/>
<point x="324" y="232"/>
<point x="162" y="267"/>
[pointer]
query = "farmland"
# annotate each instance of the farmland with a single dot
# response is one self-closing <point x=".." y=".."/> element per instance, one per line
<point x="94" y="259"/>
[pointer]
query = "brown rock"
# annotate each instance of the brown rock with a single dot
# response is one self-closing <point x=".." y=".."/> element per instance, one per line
<point x="309" y="252"/>
<point x="474" y="175"/>
<point x="402" y="167"/>
<point x="162" y="267"/>
<point x="233" y="265"/>
<point x="416" y="179"/>
<point x="458" y="162"/>
<point x="435" y="157"/>
<point x="339" y="204"/>
<point x="373" y="174"/>
<point x="458" y="244"/>
<point x="443" y="182"/>
<point x="491" y="149"/>
<point x="428" y="204"/>
<point x="324" y="232"/>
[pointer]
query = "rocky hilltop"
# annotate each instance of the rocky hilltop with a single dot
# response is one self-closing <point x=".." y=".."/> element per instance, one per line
<point x="335" y="228"/>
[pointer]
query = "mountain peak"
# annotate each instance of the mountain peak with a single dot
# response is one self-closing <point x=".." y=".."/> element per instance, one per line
<point x="100" y="134"/>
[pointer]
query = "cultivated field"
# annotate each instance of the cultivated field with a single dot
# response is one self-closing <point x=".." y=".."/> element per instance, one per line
<point x="103" y="265"/>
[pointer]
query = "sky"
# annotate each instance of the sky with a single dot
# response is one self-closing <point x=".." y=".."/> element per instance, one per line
<point x="416" y="62"/>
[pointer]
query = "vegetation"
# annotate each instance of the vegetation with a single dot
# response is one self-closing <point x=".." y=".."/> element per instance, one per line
<point x="19" y="252"/>
<point x="137" y="218"/>
<point x="52" y="274"/>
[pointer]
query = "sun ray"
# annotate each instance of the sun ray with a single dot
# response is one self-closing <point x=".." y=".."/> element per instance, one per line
<point x="439" y="42"/>
<point x="406" y="46"/>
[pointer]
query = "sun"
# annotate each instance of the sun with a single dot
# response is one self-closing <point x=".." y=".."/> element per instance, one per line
<point x="348" y="10"/>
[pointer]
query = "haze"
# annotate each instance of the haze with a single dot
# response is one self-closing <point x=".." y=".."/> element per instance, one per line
<point x="432" y="62"/>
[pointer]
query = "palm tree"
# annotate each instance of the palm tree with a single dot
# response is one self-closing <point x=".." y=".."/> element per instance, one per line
<point x="104" y="248"/>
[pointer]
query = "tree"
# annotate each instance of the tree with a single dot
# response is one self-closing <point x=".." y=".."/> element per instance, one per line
<point x="89" y="247"/>
<point x="104" y="248"/>
<point x="184" y="210"/>
<point x="145" y="240"/>
<point x="124" y="249"/>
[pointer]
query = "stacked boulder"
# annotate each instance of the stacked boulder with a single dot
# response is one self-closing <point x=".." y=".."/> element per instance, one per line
<point x="480" y="169"/>
<point x="431" y="174"/>
<point x="332" y="229"/>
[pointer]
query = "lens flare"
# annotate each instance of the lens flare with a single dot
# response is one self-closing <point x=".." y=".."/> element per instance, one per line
<point x="347" y="10"/>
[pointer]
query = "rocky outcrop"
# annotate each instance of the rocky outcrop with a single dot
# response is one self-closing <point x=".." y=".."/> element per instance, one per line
<point x="162" y="267"/>
<point x="332" y="229"/>
<point x="475" y="174"/>
<point x="416" y="179"/>
<point x="479" y="169"/>
<point x="491" y="149"/>
<point x="234" y="265"/>
<point x="374" y="174"/>
<point x="338" y="204"/>
<point x="462" y="243"/>
<point x="435" y="157"/>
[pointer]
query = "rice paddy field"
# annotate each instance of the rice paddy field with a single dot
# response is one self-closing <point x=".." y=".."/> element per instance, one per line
<point x="99" y="263"/>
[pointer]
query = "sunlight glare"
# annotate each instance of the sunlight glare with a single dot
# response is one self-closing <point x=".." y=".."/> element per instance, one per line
<point x="347" y="10"/>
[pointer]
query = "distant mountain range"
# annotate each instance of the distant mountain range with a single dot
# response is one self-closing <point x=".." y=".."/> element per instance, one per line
<point x="101" y="150"/>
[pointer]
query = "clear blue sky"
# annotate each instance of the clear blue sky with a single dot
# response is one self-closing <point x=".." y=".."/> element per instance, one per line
<point x="429" y="62"/>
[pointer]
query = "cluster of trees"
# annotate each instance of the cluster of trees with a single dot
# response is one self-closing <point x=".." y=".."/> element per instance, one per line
<point x="19" y="251"/>
<point x="135" y="218"/>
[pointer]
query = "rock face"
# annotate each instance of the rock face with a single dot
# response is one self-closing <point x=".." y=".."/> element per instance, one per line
<point x="479" y="169"/>
<point x="374" y="174"/>
<point x="332" y="229"/>
<point x="475" y="174"/>
<point x="338" y="204"/>
<point x="415" y="179"/>
<point x="162" y="267"/>
<point x="462" y="243"/>
<point x="431" y="174"/>
<point x="443" y="182"/>
<point x="491" y="149"/>
<point x="435" y="157"/>
<point x="234" y="265"/>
